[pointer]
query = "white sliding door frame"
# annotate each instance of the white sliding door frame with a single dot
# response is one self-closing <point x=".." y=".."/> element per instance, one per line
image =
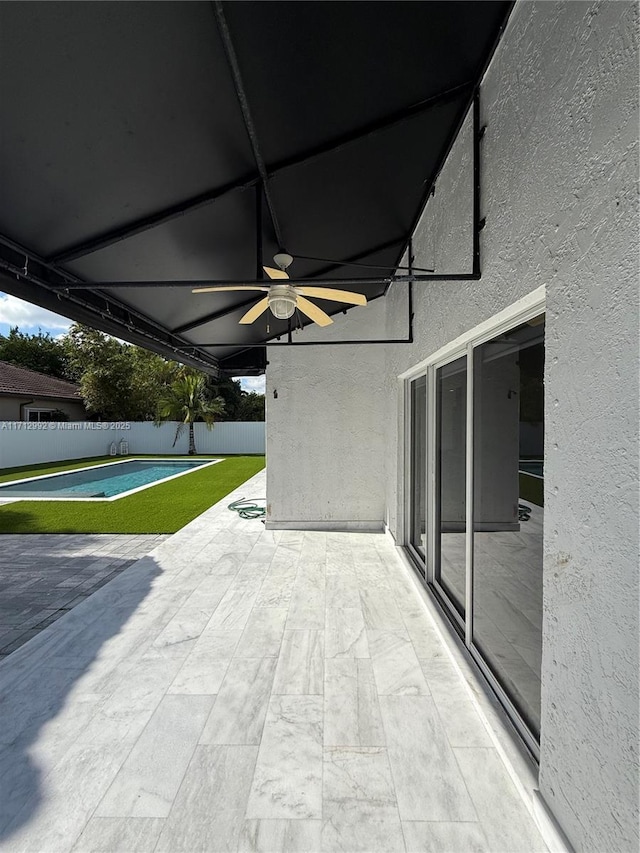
<point x="520" y="312"/>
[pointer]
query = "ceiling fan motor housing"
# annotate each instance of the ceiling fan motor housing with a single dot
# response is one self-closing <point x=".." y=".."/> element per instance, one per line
<point x="283" y="260"/>
<point x="282" y="301"/>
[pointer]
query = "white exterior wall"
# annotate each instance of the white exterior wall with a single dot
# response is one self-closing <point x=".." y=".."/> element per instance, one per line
<point x="55" y="442"/>
<point x="325" y="429"/>
<point x="14" y="408"/>
<point x="559" y="193"/>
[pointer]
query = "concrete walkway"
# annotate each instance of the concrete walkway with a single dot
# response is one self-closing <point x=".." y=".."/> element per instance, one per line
<point x="251" y="690"/>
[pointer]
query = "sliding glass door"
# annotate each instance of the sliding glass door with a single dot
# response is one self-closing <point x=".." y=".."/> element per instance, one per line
<point x="476" y="455"/>
<point x="451" y="459"/>
<point x="508" y="443"/>
<point x="418" y="466"/>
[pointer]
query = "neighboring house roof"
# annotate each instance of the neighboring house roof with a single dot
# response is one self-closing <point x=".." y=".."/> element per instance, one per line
<point x="20" y="380"/>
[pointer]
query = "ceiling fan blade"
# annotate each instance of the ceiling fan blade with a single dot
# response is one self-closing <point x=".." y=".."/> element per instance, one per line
<point x="272" y="273"/>
<point x="313" y="312"/>
<point x="255" y="311"/>
<point x="335" y="295"/>
<point x="228" y="287"/>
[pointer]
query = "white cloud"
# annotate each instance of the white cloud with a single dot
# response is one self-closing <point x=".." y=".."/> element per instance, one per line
<point x="17" y="312"/>
<point x="252" y="383"/>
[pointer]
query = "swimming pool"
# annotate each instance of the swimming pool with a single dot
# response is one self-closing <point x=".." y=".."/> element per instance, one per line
<point x="533" y="467"/>
<point x="107" y="482"/>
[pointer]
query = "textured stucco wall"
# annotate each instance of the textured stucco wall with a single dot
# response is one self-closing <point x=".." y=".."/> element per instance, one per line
<point x="325" y="429"/>
<point x="559" y="191"/>
<point x="589" y="767"/>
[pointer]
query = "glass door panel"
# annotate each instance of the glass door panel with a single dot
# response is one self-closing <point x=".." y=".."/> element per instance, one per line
<point x="417" y="533"/>
<point x="451" y="461"/>
<point x="508" y="443"/>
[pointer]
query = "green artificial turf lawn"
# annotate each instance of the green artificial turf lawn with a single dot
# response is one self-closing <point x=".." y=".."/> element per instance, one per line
<point x="164" y="508"/>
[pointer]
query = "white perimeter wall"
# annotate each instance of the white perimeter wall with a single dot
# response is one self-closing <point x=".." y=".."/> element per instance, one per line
<point x="559" y="193"/>
<point x="21" y="446"/>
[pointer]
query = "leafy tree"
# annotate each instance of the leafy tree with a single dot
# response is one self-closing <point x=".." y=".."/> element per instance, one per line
<point x="151" y="375"/>
<point x="117" y="381"/>
<point x="230" y="392"/>
<point x="58" y="415"/>
<point x="102" y="367"/>
<point x="38" y="352"/>
<point x="251" y="407"/>
<point x="186" y="401"/>
<point x="239" y="405"/>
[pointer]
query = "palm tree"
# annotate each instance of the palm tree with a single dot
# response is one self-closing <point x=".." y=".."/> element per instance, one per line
<point x="185" y="401"/>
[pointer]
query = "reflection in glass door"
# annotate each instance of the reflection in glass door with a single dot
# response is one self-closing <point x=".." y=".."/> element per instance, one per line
<point x="508" y="512"/>
<point x="501" y="557"/>
<point x="417" y="533"/>
<point x="451" y="458"/>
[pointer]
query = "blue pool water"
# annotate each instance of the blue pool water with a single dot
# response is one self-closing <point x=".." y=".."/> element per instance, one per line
<point x="102" y="482"/>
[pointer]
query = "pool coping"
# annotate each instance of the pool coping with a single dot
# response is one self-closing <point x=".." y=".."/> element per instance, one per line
<point x="205" y="464"/>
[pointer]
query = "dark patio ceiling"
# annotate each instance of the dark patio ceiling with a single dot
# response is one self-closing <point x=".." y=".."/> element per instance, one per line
<point x="138" y="136"/>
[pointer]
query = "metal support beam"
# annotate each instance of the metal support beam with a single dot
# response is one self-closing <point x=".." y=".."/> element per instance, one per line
<point x="474" y="105"/>
<point x="146" y="223"/>
<point x="153" y="220"/>
<point x="259" y="270"/>
<point x="430" y="185"/>
<point x="372" y="128"/>
<point x="245" y="346"/>
<point x="26" y="275"/>
<point x="410" y="292"/>
<point x="309" y="282"/>
<point x="215" y="315"/>
<point x="275" y="339"/>
<point x="477" y="226"/>
<point x="353" y="260"/>
<point x="232" y="59"/>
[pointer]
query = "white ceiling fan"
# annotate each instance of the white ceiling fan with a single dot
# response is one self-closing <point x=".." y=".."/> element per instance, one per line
<point x="284" y="299"/>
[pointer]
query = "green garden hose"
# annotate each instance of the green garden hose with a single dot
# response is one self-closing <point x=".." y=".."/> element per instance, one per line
<point x="248" y="508"/>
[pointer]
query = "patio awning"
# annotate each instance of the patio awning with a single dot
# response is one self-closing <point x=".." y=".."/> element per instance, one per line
<point x="162" y="141"/>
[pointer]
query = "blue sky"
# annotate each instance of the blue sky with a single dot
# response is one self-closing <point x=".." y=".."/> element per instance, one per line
<point x="29" y="318"/>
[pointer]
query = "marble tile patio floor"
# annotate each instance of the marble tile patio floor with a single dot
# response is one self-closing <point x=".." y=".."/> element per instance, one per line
<point x="240" y="689"/>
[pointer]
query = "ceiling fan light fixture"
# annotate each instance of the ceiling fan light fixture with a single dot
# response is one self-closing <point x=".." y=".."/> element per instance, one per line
<point x="282" y="301"/>
<point x="283" y="260"/>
